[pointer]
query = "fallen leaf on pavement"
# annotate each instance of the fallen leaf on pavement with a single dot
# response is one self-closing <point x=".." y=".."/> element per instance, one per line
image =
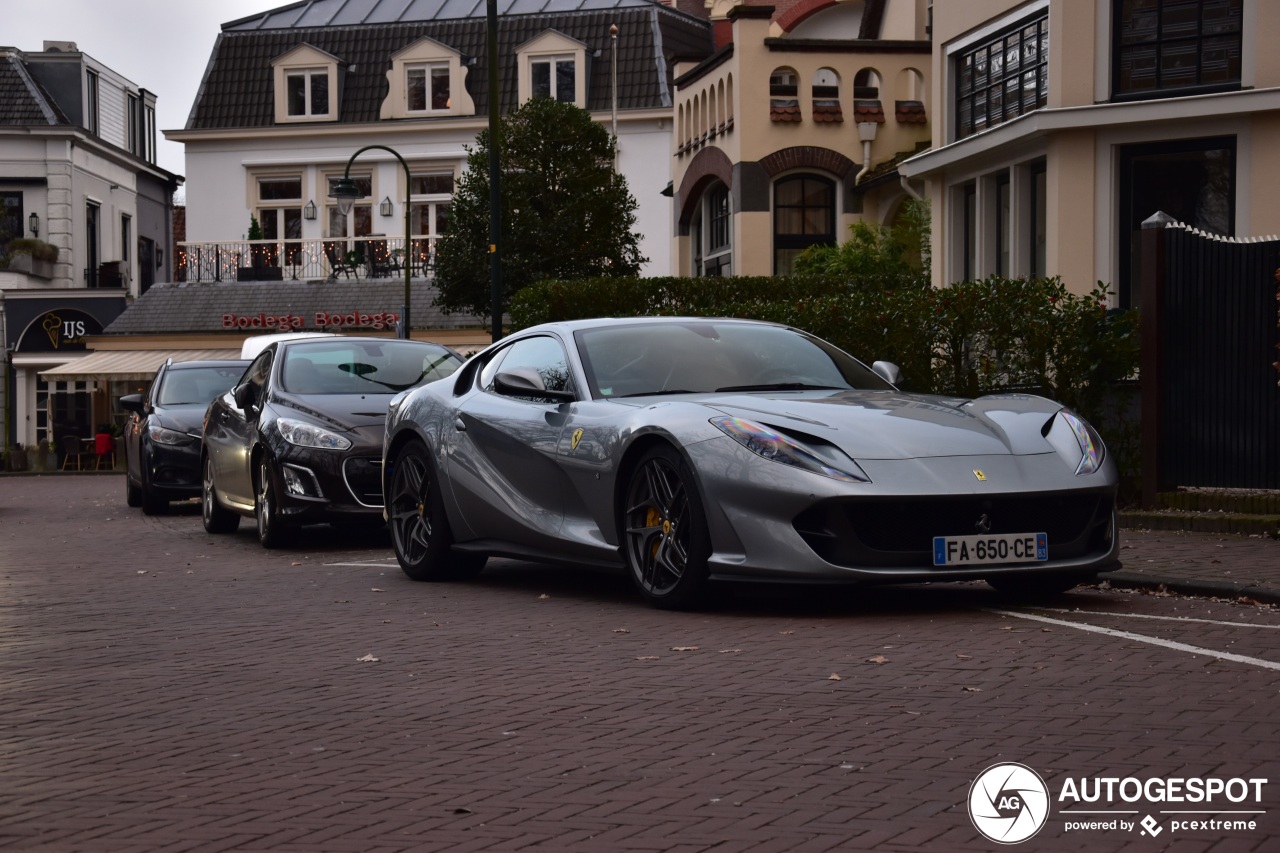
<point x="834" y="677"/>
<point x="543" y="597"/>
<point x="973" y="690"/>
<point x="621" y="631"/>
<point x="785" y="633"/>
<point x="965" y="657"/>
<point x="729" y="651"/>
<point x="878" y="659"/>
<point x="367" y="659"/>
<point x="684" y="648"/>
<point x="375" y="589"/>
<point x="647" y="657"/>
<point x="295" y="563"/>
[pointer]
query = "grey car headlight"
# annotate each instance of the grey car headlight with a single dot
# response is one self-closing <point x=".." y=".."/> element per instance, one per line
<point x="1076" y="441"/>
<point x="776" y="447"/>
<point x="305" y="434"/>
<point x="164" y="435"/>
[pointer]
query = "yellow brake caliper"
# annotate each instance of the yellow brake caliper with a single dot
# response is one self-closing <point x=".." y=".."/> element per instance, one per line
<point x="652" y="519"/>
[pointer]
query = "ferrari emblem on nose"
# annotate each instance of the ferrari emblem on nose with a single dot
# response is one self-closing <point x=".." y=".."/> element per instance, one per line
<point x="577" y="437"/>
<point x="981" y="476"/>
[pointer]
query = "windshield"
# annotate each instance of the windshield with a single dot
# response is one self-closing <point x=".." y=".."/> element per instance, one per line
<point x="189" y="386"/>
<point x="702" y="356"/>
<point x="347" y="366"/>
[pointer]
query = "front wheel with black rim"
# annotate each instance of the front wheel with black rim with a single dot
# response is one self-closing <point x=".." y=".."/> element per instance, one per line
<point x="273" y="532"/>
<point x="1037" y="586"/>
<point x="216" y="518"/>
<point x="420" y="531"/>
<point x="666" y="542"/>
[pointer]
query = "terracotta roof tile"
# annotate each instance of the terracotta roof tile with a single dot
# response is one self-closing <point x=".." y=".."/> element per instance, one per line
<point x="910" y="112"/>
<point x="864" y="111"/>
<point x="827" y="112"/>
<point x="784" y="111"/>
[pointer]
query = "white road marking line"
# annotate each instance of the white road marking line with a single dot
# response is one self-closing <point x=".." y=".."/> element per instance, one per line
<point x="374" y="565"/>
<point x="1126" y="635"/>
<point x="1149" y="616"/>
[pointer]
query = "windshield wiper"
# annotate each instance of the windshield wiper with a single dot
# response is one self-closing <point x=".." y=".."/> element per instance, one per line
<point x="782" y="386"/>
<point x="655" y="393"/>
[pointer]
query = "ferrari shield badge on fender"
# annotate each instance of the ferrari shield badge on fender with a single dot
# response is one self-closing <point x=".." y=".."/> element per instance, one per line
<point x="577" y="437"/>
<point x="981" y="476"/>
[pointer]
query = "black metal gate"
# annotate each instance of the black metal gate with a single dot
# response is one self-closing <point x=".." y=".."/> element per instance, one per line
<point x="1210" y="384"/>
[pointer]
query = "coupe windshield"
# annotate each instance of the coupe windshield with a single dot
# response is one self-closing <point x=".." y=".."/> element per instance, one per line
<point x="346" y="366"/>
<point x="705" y="356"/>
<point x="191" y="386"/>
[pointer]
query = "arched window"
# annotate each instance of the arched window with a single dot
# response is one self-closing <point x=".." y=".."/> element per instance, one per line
<point x="804" y="215"/>
<point x="826" y="96"/>
<point x="866" y="85"/>
<point x="784" y="98"/>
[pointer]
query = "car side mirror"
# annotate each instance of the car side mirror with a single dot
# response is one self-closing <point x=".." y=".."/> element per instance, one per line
<point x="527" y="382"/>
<point x="132" y="403"/>
<point x="243" y="395"/>
<point x="888" y="371"/>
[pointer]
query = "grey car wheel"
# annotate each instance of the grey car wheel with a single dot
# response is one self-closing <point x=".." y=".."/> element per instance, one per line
<point x="272" y="531"/>
<point x="420" y="529"/>
<point x="216" y="518"/>
<point x="666" y="541"/>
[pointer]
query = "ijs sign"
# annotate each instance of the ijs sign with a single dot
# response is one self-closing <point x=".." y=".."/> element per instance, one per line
<point x="328" y="321"/>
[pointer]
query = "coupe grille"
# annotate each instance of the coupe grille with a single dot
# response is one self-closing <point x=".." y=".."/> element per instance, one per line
<point x="363" y="476"/>
<point x="899" y="532"/>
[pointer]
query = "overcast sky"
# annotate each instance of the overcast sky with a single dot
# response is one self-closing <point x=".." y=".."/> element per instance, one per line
<point x="162" y="46"/>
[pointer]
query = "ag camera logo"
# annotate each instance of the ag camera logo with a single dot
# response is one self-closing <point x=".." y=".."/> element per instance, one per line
<point x="1008" y="803"/>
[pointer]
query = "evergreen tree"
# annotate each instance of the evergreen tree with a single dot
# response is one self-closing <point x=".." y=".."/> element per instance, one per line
<point x="566" y="212"/>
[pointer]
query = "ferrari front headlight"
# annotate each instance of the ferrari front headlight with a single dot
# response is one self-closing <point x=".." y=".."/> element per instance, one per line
<point x="305" y="434"/>
<point x="776" y="447"/>
<point x="1077" y="441"/>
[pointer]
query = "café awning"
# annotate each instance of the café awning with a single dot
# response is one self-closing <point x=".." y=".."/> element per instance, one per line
<point x="128" y="365"/>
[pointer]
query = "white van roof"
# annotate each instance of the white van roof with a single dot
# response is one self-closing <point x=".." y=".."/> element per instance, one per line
<point x="256" y="344"/>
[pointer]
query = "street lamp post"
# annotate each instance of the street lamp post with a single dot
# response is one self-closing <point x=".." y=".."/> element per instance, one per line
<point x="345" y="191"/>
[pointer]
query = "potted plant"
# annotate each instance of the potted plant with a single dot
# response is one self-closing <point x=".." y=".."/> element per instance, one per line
<point x="31" y="256"/>
<point x="16" y="458"/>
<point x="250" y="273"/>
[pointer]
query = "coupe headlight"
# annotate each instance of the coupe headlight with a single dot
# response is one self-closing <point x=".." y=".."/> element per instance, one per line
<point x="164" y="435"/>
<point x="305" y="434"/>
<point x="775" y="446"/>
<point x="1078" y="442"/>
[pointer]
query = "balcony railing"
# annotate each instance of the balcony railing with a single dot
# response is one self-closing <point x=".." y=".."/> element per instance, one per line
<point x="327" y="259"/>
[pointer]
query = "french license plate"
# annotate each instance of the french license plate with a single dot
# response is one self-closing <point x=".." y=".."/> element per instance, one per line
<point x="979" y="550"/>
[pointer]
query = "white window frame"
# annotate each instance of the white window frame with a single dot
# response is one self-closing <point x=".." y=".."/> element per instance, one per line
<point x="428" y="71"/>
<point x="309" y="62"/>
<point x="551" y="47"/>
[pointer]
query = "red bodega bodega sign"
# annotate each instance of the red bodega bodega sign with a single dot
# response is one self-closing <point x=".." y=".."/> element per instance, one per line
<point x="325" y="320"/>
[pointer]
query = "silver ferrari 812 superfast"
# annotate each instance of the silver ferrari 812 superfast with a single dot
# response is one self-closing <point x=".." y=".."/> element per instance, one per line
<point x="690" y="450"/>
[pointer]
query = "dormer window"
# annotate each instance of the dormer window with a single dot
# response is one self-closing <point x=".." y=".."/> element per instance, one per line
<point x="427" y="87"/>
<point x="553" y="77"/>
<point x="306" y="85"/>
<point x="553" y="65"/>
<point x="427" y="79"/>
<point x="308" y="93"/>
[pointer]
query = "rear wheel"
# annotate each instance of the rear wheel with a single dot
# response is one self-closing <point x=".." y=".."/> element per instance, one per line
<point x="217" y="519"/>
<point x="273" y="532"/>
<point x="420" y="529"/>
<point x="1038" y="586"/>
<point x="666" y="541"/>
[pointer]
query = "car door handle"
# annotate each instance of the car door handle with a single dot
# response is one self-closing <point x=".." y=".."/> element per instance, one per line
<point x="457" y="422"/>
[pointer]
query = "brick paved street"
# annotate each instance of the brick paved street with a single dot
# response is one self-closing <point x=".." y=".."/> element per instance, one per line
<point x="166" y="690"/>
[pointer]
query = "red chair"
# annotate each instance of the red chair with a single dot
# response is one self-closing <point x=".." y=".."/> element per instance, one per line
<point x="104" y="446"/>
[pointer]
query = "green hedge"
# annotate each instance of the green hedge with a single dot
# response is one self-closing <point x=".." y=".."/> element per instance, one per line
<point x="971" y="338"/>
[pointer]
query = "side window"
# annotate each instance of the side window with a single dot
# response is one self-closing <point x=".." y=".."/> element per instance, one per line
<point x="153" y="393"/>
<point x="541" y="355"/>
<point x="257" y="376"/>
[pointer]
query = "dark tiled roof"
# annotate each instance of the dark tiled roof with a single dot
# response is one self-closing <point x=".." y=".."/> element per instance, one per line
<point x="910" y="112"/>
<point x="185" y="308"/>
<point x="23" y="101"/>
<point x="868" y="111"/>
<point x="237" y="90"/>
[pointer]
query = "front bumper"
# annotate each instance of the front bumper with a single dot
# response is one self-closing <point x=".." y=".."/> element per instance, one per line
<point x="326" y="486"/>
<point x="173" y="470"/>
<point x="771" y="521"/>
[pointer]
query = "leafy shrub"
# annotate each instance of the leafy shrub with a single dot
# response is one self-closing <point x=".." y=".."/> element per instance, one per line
<point x="37" y="249"/>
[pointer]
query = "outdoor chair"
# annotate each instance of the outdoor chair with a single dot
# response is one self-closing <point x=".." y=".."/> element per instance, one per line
<point x="73" y="452"/>
<point x="339" y="262"/>
<point x="104" y="448"/>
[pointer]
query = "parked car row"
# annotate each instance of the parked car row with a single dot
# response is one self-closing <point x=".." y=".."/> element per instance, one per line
<point x="683" y="449"/>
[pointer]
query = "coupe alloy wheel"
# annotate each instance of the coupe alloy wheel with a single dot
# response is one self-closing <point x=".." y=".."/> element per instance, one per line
<point x="666" y="540"/>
